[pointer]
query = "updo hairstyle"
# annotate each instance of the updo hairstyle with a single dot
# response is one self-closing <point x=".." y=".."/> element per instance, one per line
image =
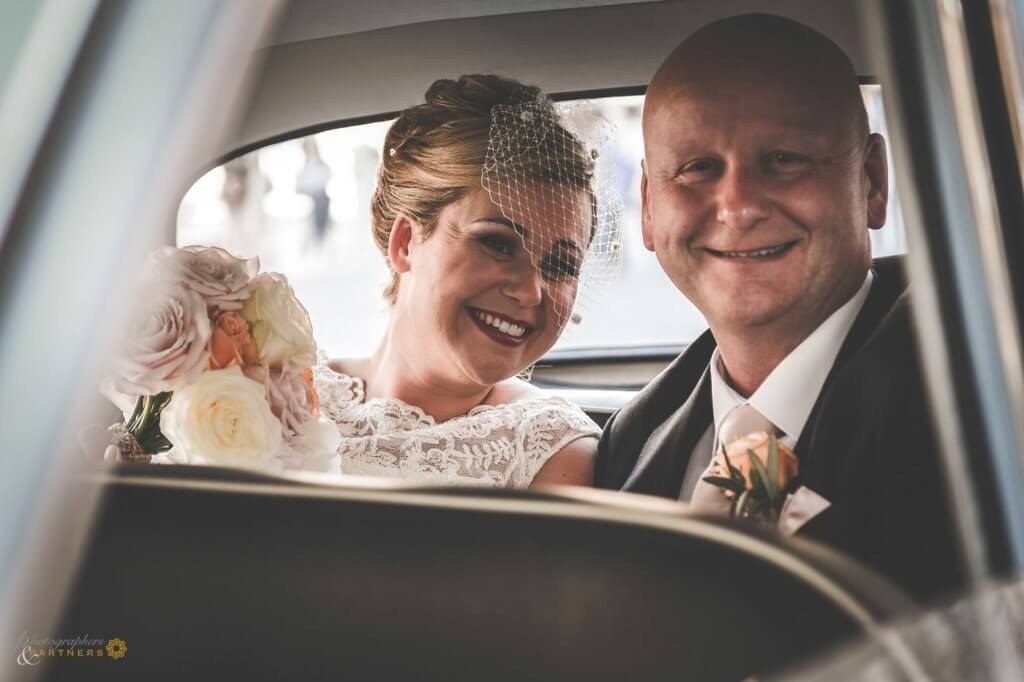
<point x="434" y="153"/>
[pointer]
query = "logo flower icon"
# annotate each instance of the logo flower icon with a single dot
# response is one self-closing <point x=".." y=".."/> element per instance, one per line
<point x="116" y="648"/>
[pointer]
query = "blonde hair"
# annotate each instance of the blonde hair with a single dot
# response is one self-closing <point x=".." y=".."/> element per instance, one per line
<point x="434" y="153"/>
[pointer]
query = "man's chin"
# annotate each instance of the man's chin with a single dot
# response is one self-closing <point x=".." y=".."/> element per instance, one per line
<point x="749" y="316"/>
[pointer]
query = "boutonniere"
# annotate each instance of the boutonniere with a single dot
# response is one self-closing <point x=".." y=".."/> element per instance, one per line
<point x="756" y="473"/>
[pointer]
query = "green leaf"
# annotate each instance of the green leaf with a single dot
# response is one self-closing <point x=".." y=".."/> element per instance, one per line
<point x="741" y="504"/>
<point x="769" y="483"/>
<point x="773" y="464"/>
<point x="727" y="483"/>
<point x="757" y="489"/>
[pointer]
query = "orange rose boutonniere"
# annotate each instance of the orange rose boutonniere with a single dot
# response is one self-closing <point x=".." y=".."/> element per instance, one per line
<point x="756" y="473"/>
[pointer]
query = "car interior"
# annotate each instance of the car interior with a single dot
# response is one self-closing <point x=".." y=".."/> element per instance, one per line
<point x="210" y="572"/>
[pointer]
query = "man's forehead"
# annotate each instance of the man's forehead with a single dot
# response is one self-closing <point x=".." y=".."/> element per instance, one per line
<point x="693" y="109"/>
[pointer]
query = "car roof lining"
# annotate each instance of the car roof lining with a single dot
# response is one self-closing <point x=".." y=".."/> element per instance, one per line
<point x="316" y="84"/>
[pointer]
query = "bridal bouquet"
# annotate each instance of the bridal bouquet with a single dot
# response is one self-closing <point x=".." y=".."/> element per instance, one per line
<point x="216" y="368"/>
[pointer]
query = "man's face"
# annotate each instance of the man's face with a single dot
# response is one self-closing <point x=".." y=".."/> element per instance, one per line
<point x="757" y="199"/>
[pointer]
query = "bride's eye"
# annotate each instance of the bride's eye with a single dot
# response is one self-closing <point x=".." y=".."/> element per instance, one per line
<point x="560" y="267"/>
<point x="497" y="244"/>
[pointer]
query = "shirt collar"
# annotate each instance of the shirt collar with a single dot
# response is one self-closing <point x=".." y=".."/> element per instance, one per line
<point x="788" y="393"/>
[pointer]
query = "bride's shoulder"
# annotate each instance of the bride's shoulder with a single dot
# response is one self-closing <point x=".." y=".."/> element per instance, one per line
<point x="513" y="390"/>
<point x="349" y="367"/>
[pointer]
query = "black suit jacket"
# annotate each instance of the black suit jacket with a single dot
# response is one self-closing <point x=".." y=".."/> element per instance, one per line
<point x="868" y="446"/>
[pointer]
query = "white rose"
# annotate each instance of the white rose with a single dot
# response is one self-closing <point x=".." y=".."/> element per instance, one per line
<point x="220" y="278"/>
<point x="321" y="439"/>
<point x="315" y="449"/>
<point x="165" y="347"/>
<point x="223" y="419"/>
<point x="278" y="323"/>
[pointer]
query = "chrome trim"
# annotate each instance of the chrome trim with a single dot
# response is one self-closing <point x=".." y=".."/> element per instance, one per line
<point x="1008" y="29"/>
<point x="1002" y="385"/>
<point x="935" y="357"/>
<point x="591" y="399"/>
<point x="970" y="221"/>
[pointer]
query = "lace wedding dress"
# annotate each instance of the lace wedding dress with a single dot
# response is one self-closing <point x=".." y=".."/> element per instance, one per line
<point x="496" y="445"/>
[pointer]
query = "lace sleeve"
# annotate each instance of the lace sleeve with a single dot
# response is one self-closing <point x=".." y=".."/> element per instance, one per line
<point x="336" y="391"/>
<point x="547" y="426"/>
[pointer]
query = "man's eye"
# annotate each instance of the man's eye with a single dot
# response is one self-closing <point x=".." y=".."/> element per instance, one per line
<point x="787" y="161"/>
<point x="698" y="168"/>
<point x="503" y="246"/>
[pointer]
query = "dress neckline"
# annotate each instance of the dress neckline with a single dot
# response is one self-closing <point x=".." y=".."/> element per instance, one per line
<point x="359" y="397"/>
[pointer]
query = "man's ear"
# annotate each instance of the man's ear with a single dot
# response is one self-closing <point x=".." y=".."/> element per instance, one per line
<point x="402" y="234"/>
<point x="645" y="213"/>
<point x="876" y="170"/>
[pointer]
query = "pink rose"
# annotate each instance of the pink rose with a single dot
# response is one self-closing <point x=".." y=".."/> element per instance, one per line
<point x="166" y="344"/>
<point x="291" y="394"/>
<point x="220" y="278"/>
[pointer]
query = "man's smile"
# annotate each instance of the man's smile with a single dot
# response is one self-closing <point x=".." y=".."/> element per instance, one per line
<point x="758" y="253"/>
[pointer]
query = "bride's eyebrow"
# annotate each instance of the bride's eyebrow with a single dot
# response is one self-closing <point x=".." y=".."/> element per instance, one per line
<point x="567" y="244"/>
<point x="502" y="220"/>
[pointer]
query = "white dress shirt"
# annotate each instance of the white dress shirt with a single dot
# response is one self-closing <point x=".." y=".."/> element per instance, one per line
<point x="787" y="395"/>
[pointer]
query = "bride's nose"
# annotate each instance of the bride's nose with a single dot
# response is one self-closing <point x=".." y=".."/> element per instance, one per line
<point x="525" y="285"/>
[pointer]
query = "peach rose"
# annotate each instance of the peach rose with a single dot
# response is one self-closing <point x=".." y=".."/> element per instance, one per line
<point x="231" y="345"/>
<point x="739" y="451"/>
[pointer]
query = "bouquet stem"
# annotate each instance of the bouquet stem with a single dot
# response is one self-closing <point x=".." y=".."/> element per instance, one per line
<point x="144" y="424"/>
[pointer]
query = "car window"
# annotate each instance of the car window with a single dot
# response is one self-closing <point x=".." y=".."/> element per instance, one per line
<point x="302" y="207"/>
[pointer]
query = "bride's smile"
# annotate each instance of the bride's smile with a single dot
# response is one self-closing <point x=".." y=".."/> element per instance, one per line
<point x="501" y="328"/>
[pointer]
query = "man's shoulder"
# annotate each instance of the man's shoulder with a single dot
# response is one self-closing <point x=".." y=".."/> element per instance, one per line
<point x="670" y="387"/>
<point x="628" y="429"/>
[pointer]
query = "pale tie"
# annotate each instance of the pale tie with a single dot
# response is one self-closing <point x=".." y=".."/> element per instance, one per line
<point x="741" y="421"/>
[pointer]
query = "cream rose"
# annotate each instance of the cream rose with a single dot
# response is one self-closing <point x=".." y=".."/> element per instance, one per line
<point x="278" y="323"/>
<point x="220" y="278"/>
<point x="222" y="419"/>
<point x="166" y="343"/>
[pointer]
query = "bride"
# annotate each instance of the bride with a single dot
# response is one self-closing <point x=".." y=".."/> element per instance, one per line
<point x="484" y="209"/>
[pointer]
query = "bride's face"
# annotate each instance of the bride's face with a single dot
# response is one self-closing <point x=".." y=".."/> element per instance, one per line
<point x="487" y="295"/>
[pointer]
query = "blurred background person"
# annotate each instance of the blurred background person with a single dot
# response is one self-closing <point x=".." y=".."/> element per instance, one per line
<point x="312" y="181"/>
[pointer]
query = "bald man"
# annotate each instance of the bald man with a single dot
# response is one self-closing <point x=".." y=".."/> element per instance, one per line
<point x="760" y="183"/>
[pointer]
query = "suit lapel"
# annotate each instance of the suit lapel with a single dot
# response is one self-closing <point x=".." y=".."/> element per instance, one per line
<point x="889" y="284"/>
<point x="661" y="468"/>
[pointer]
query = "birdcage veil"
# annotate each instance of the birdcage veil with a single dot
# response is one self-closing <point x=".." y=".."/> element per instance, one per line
<point x="544" y="171"/>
